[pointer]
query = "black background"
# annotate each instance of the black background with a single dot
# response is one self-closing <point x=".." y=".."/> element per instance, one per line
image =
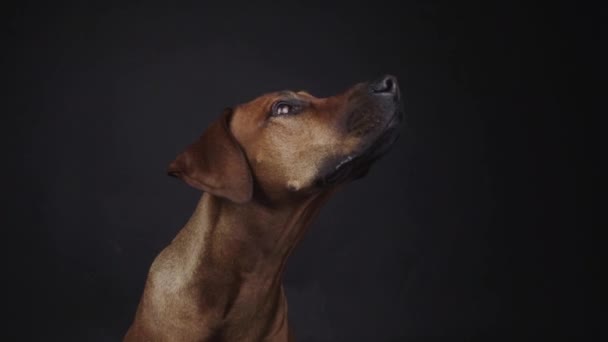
<point x="467" y="230"/>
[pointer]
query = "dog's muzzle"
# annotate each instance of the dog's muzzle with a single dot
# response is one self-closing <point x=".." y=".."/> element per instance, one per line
<point x="377" y="113"/>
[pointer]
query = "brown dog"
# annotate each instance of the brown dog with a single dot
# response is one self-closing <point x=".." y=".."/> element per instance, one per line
<point x="266" y="167"/>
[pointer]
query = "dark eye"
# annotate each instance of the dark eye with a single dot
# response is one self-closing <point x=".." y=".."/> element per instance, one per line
<point x="283" y="108"/>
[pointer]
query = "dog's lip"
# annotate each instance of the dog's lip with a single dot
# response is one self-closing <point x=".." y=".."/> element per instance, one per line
<point x="390" y="125"/>
<point x="394" y="120"/>
<point x="346" y="160"/>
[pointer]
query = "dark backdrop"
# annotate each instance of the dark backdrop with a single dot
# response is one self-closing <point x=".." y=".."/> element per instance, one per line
<point x="467" y="230"/>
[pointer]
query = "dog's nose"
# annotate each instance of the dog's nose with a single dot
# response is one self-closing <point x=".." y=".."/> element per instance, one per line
<point x="385" y="85"/>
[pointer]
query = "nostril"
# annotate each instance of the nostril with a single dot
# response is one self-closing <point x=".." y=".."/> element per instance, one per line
<point x="386" y="84"/>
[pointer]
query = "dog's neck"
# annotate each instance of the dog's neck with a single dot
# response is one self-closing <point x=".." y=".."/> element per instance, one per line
<point x="221" y="275"/>
<point x="251" y="239"/>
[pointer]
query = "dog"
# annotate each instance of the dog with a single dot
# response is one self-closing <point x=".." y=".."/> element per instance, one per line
<point x="265" y="168"/>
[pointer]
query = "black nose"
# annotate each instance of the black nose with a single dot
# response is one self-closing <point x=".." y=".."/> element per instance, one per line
<point x="385" y="85"/>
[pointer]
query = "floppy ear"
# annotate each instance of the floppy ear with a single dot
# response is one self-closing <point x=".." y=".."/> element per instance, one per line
<point x="216" y="163"/>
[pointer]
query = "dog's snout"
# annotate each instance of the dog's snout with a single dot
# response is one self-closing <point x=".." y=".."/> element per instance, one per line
<point x="385" y="85"/>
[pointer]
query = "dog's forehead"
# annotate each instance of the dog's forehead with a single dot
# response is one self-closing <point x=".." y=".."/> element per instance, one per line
<point x="256" y="107"/>
<point x="248" y="117"/>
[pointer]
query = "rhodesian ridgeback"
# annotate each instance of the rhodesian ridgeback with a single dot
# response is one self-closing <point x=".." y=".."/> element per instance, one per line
<point x="265" y="167"/>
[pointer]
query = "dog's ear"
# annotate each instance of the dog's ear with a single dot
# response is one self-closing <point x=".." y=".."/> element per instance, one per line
<point x="216" y="163"/>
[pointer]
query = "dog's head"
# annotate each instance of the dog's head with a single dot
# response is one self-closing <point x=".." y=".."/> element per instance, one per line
<point x="290" y="143"/>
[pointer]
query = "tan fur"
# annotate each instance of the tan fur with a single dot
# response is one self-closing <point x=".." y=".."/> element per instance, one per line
<point x="220" y="278"/>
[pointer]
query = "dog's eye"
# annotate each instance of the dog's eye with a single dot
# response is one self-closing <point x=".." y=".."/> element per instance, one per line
<point x="283" y="108"/>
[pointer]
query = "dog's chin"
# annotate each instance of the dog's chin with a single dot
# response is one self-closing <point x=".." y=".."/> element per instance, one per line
<point x="357" y="165"/>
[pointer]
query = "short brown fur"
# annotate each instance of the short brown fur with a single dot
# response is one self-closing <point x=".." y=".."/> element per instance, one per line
<point x="220" y="278"/>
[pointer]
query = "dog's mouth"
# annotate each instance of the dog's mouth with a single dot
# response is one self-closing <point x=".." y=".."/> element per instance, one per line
<point x="376" y="110"/>
<point x="357" y="164"/>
